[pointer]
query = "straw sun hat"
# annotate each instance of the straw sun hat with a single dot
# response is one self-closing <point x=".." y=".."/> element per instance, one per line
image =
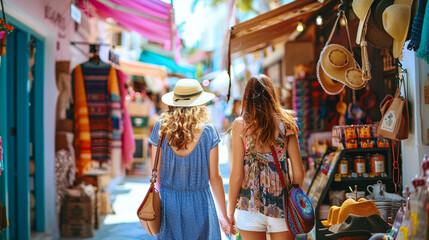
<point x="338" y="64"/>
<point x="396" y="20"/>
<point x="187" y="93"/>
<point x="361" y="9"/>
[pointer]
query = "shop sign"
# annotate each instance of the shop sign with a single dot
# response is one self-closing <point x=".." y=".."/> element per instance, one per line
<point x="76" y="14"/>
<point x="55" y="17"/>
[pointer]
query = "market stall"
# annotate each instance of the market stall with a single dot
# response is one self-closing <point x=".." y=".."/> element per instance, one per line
<point x="343" y="91"/>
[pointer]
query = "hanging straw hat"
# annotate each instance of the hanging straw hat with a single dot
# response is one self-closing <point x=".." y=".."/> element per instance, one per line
<point x="338" y="63"/>
<point x="330" y="86"/>
<point x="396" y="20"/>
<point x="361" y="9"/>
<point x="187" y="93"/>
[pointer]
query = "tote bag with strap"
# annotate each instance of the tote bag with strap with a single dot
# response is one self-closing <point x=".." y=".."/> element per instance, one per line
<point x="149" y="212"/>
<point x="395" y="121"/>
<point x="298" y="210"/>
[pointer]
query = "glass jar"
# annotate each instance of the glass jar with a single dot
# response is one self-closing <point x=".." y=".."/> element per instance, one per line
<point x="360" y="165"/>
<point x="366" y="143"/>
<point x="374" y="130"/>
<point x="350" y="132"/>
<point x="336" y="131"/>
<point x="377" y="164"/>
<point x="364" y="131"/>
<point x="343" y="169"/>
<point x="383" y="142"/>
<point x="351" y="143"/>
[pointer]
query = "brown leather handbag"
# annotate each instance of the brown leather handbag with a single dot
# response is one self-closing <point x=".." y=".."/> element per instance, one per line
<point x="149" y="212"/>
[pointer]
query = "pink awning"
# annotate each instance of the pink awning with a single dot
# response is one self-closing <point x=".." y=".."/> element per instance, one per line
<point x="151" y="18"/>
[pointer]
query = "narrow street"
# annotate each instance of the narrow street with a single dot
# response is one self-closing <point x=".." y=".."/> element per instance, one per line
<point x="128" y="195"/>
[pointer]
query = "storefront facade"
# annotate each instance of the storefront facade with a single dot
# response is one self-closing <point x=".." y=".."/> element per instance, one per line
<point x="42" y="35"/>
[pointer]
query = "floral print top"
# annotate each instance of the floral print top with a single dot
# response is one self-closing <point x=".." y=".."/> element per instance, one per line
<point x="261" y="187"/>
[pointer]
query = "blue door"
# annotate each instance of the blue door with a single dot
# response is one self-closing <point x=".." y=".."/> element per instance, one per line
<point x="21" y="128"/>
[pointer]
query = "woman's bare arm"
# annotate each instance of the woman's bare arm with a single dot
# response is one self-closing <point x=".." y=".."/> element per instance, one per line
<point x="295" y="157"/>
<point x="237" y="170"/>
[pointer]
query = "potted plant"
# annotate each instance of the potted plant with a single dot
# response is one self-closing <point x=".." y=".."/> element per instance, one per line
<point x="4" y="30"/>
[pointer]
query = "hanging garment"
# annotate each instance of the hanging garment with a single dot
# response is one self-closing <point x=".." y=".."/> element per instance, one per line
<point x="98" y="113"/>
<point x="423" y="51"/>
<point x="416" y="28"/>
<point x="128" y="144"/>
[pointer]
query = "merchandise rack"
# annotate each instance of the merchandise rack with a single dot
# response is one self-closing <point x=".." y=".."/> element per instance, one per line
<point x="332" y="182"/>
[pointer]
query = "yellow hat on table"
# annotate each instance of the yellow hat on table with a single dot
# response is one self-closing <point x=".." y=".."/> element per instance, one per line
<point x="362" y="207"/>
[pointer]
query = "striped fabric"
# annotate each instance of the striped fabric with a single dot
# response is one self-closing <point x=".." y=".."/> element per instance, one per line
<point x="103" y="107"/>
<point x="82" y="129"/>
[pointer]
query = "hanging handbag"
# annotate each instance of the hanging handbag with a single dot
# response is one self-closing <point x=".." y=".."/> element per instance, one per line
<point x="298" y="210"/>
<point x="395" y="121"/>
<point x="149" y="212"/>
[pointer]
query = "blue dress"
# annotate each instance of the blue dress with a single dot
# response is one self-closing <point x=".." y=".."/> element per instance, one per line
<point x="188" y="210"/>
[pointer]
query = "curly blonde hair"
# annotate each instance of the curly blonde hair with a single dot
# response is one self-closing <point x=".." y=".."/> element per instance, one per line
<point x="181" y="123"/>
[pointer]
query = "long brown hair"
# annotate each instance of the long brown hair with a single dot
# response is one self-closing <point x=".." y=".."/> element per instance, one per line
<point x="260" y="107"/>
<point x="181" y="123"/>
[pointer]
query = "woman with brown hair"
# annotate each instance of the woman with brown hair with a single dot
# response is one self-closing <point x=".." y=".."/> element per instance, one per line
<point x="254" y="185"/>
<point x="189" y="164"/>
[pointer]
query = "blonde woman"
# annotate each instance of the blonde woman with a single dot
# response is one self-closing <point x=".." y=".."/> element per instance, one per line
<point x="189" y="165"/>
<point x="254" y="185"/>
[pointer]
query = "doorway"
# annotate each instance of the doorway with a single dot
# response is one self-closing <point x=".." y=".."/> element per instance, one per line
<point x="22" y="130"/>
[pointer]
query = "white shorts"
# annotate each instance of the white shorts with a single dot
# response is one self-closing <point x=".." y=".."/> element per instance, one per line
<point x="258" y="222"/>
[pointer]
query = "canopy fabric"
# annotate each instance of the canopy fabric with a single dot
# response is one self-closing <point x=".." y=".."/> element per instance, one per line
<point x="151" y="18"/>
<point x="170" y="64"/>
<point x="144" y="70"/>
<point x="272" y="26"/>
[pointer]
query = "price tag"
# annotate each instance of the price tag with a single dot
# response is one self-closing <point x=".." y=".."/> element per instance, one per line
<point x="355" y="175"/>
<point x="365" y="175"/>
<point x="383" y="174"/>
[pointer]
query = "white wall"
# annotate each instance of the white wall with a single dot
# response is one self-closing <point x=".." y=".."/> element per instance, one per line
<point x="32" y="14"/>
<point x="413" y="148"/>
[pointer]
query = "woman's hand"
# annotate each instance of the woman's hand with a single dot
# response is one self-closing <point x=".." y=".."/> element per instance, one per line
<point x="225" y="224"/>
<point x="233" y="226"/>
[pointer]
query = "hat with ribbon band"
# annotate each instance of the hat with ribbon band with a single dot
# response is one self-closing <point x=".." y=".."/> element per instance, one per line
<point x="187" y="93"/>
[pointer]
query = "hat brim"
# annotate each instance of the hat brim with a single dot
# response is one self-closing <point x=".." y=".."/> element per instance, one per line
<point x="361" y="28"/>
<point x="330" y="86"/>
<point x="326" y="224"/>
<point x="203" y="98"/>
<point x="398" y="45"/>
<point x="331" y="71"/>
<point x="361" y="7"/>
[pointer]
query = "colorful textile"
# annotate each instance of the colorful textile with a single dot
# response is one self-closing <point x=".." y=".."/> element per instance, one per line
<point x="416" y="28"/>
<point x="261" y="187"/>
<point x="188" y="210"/>
<point x="423" y="51"/>
<point x="81" y="121"/>
<point x="96" y="87"/>
<point x="159" y="31"/>
<point x="128" y="143"/>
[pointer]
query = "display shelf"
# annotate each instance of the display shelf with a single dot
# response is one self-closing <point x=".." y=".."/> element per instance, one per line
<point x="369" y="179"/>
<point x="324" y="179"/>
